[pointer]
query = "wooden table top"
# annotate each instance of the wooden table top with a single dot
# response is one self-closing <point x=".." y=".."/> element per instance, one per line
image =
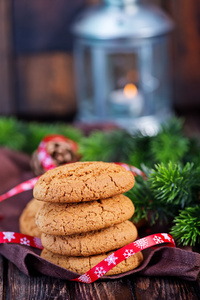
<point x="16" y="285"/>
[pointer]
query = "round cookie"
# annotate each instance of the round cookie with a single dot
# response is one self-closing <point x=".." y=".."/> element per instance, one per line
<point x="68" y="219"/>
<point x="81" y="265"/>
<point x="27" y="219"/>
<point x="83" y="181"/>
<point x="91" y="243"/>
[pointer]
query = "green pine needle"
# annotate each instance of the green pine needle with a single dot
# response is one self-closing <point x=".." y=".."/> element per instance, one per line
<point x="170" y="144"/>
<point x="140" y="195"/>
<point x="186" y="230"/>
<point x="37" y="131"/>
<point x="139" y="154"/>
<point x="114" y="145"/>
<point x="174" y="184"/>
<point x="146" y="205"/>
<point x="12" y="134"/>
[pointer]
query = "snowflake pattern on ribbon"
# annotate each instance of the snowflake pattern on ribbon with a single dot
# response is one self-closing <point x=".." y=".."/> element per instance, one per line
<point x="128" y="253"/>
<point x="26" y="186"/>
<point x="48" y="162"/>
<point x="142" y="243"/>
<point x="41" y="155"/>
<point x="8" y="235"/>
<point x="24" y="241"/>
<point x="85" y="278"/>
<point x="37" y="242"/>
<point x="99" y="271"/>
<point x="166" y="236"/>
<point x="158" y="239"/>
<point x="111" y="259"/>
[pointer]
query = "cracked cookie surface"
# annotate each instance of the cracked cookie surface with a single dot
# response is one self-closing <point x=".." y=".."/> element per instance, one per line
<point x="68" y="219"/>
<point x="91" y="243"/>
<point x="81" y="265"/>
<point x="27" y="218"/>
<point x="83" y="181"/>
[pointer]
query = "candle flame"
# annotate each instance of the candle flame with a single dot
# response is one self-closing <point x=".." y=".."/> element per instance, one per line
<point x="130" y="90"/>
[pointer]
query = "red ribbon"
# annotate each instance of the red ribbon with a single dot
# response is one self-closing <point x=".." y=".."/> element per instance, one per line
<point x="105" y="265"/>
<point x="24" y="186"/>
<point x="115" y="258"/>
<point x="19" y="238"/>
<point x="133" y="169"/>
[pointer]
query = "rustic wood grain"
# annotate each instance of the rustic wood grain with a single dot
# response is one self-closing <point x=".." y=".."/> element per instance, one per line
<point x="6" y="83"/>
<point x="46" y="84"/>
<point x="166" y="288"/>
<point x="1" y="277"/>
<point x="108" y="290"/>
<point x="186" y="54"/>
<point x="20" y="286"/>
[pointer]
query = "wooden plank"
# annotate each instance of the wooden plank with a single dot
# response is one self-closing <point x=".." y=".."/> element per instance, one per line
<point x="20" y="286"/>
<point x="7" y="105"/>
<point x="1" y="278"/>
<point x="186" y="59"/>
<point x="107" y="290"/>
<point x="46" y="84"/>
<point x="166" y="288"/>
<point x="38" y="29"/>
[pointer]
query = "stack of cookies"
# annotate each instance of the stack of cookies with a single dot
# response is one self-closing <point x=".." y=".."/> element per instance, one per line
<point x="85" y="215"/>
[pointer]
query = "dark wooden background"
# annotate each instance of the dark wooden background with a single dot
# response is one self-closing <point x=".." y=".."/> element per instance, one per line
<point x="36" y="61"/>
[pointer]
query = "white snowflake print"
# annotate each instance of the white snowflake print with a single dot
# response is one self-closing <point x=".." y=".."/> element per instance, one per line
<point x="47" y="162"/>
<point x="26" y="186"/>
<point x="166" y="236"/>
<point x="142" y="243"/>
<point x="111" y="259"/>
<point x="41" y="155"/>
<point x="12" y="192"/>
<point x="85" y="278"/>
<point x="158" y="239"/>
<point x="24" y="241"/>
<point x="37" y="242"/>
<point x="99" y="271"/>
<point x="128" y="253"/>
<point x="8" y="236"/>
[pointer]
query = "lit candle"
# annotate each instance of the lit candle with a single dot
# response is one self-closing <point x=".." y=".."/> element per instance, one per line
<point x="128" y="100"/>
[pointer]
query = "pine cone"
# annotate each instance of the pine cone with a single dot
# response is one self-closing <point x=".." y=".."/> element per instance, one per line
<point x="61" y="153"/>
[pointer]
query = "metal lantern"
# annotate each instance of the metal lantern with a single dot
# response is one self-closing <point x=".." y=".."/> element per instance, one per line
<point x="122" y="65"/>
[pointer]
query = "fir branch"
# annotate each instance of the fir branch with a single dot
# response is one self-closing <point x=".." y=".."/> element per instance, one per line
<point x="170" y="144"/>
<point x="146" y="205"/>
<point x="140" y="195"/>
<point x="192" y="154"/>
<point x="186" y="230"/>
<point x="12" y="133"/>
<point x="96" y="147"/>
<point x="37" y="131"/>
<point x="175" y="185"/>
<point x="139" y="155"/>
<point x="115" y="145"/>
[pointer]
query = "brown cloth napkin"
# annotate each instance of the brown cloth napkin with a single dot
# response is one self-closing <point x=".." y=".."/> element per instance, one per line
<point x="14" y="169"/>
